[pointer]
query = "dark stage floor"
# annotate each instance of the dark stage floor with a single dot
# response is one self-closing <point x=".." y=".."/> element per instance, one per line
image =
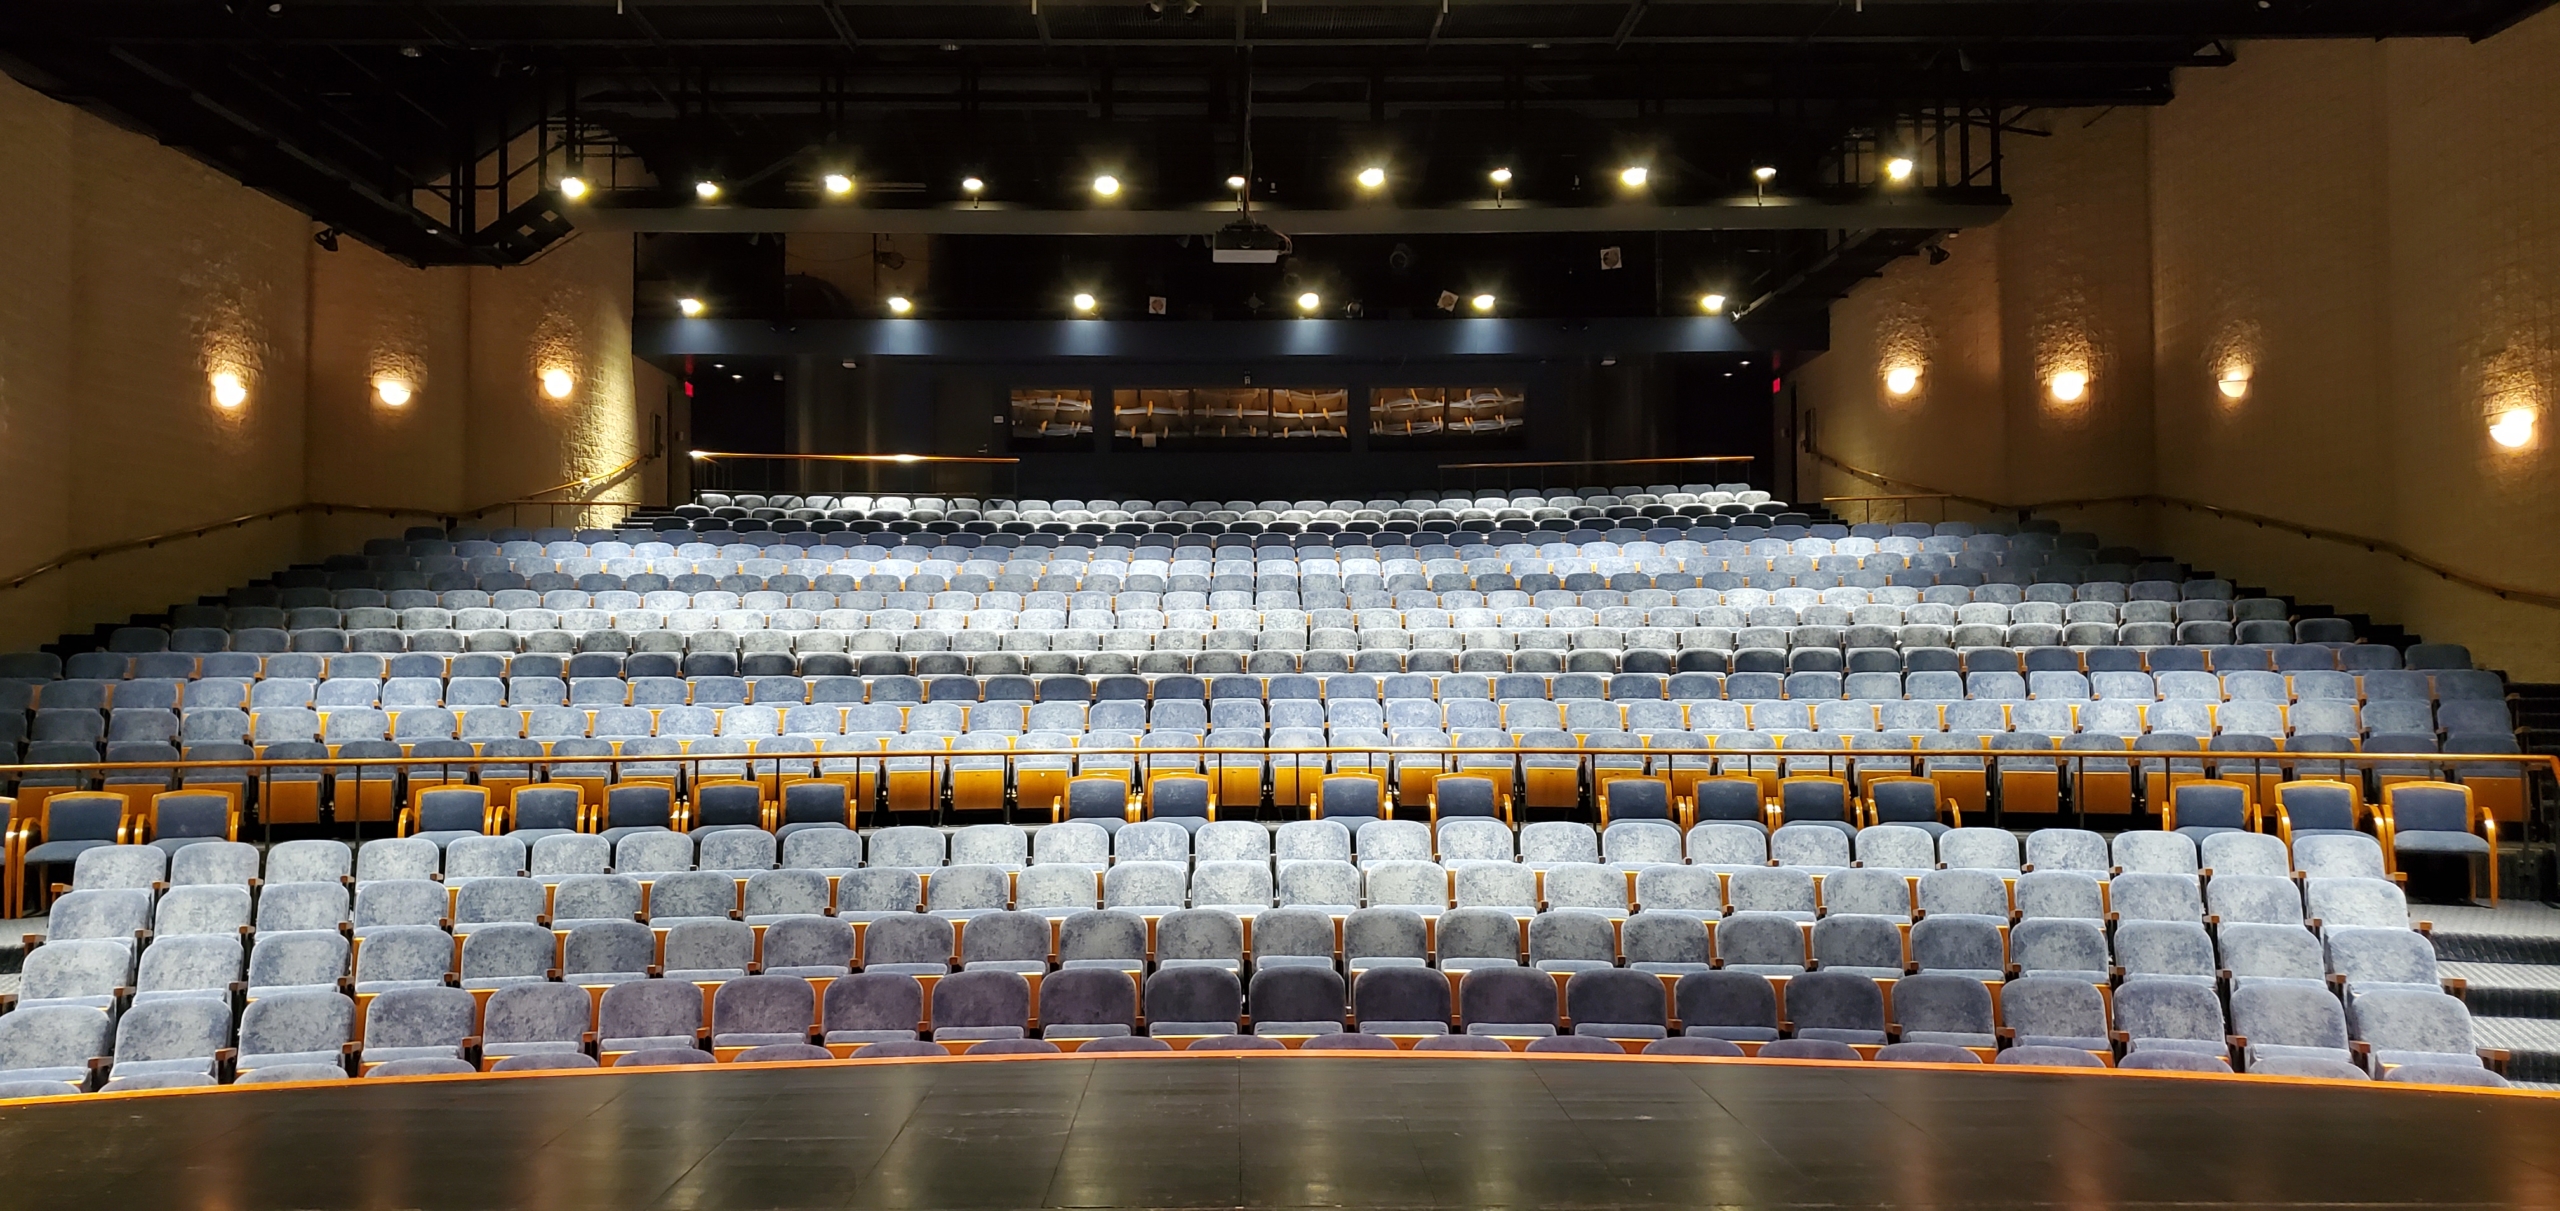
<point x="1286" y="1131"/>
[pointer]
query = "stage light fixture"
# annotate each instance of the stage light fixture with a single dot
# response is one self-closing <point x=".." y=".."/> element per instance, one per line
<point x="706" y="190"/>
<point x="972" y="186"/>
<point x="1902" y="380"/>
<point x="1084" y="303"/>
<point x="838" y="184"/>
<point x="1482" y="302"/>
<point x="1712" y="304"/>
<point x="1106" y="185"/>
<point x="1309" y="301"/>
<point x="1898" y="169"/>
<point x="899" y="304"/>
<point x="1633" y="177"/>
<point x="2234" y="382"/>
<point x="2513" y="428"/>
<point x="1500" y="176"/>
<point x="558" y="383"/>
<point x="228" y="390"/>
<point x="2070" y="386"/>
<point x="1764" y="174"/>
<point x="689" y="306"/>
<point x="1372" y="177"/>
<point x="1235" y="182"/>
<point x="392" y="392"/>
<point x="573" y="188"/>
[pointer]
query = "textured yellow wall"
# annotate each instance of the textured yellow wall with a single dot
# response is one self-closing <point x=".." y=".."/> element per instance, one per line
<point x="2369" y="229"/>
<point x="135" y="274"/>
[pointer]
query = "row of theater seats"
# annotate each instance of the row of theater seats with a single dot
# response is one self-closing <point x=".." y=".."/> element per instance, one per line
<point x="1634" y="499"/>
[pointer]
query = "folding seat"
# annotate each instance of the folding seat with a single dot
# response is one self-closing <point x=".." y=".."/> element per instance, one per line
<point x="2257" y="953"/>
<point x="2355" y="904"/>
<point x="1507" y="1003"/>
<point x="1870" y="946"/>
<point x="1573" y="939"/>
<point x="59" y="1044"/>
<point x="1333" y="887"/>
<point x="907" y="943"/>
<point x="1810" y="847"/>
<point x="1200" y="937"/>
<point x="1977" y="893"/>
<point x="1836" y="1007"/>
<point x="1189" y="1003"/>
<point x="2287" y="1022"/>
<point x="1947" y="1010"/>
<point x="2435" y="818"/>
<point x="1957" y="944"/>
<point x="157" y="1044"/>
<point x="2370" y="960"/>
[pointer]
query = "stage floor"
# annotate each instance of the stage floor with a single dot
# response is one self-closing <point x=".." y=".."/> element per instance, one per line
<point x="1287" y="1131"/>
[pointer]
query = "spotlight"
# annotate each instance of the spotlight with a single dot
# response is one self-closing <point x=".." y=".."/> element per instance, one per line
<point x="706" y="190"/>
<point x="391" y="391"/>
<point x="689" y="306"/>
<point x="228" y="390"/>
<point x="1712" y="304"/>
<point x="1235" y="182"/>
<point x="1937" y="254"/>
<point x="557" y="383"/>
<point x="2070" y="385"/>
<point x="972" y="186"/>
<point x="1902" y="380"/>
<point x="1372" y="177"/>
<point x="1309" y="301"/>
<point x="1898" y="169"/>
<point x="1106" y="185"/>
<point x="1482" y="302"/>
<point x="838" y="184"/>
<point x="1084" y="303"/>
<point x="573" y="188"/>
<point x="327" y="239"/>
<point x="899" y="304"/>
<point x="2234" y="382"/>
<point x="1633" y="177"/>
<point x="1500" y="176"/>
<point x="2513" y="428"/>
<point x="1764" y="174"/>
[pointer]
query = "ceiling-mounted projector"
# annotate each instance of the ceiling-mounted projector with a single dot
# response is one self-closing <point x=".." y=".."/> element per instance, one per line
<point x="1245" y="242"/>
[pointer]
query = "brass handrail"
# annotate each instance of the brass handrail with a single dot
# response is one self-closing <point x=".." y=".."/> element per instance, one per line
<point x="899" y="459"/>
<point x="1601" y="462"/>
<point x="2377" y="546"/>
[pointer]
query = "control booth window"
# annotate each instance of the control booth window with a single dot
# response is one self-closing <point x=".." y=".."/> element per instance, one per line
<point x="1208" y="417"/>
<point x="1447" y="416"/>
<point x="1052" y="416"/>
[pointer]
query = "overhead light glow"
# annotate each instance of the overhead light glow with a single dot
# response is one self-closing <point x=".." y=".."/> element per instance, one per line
<point x="1372" y="177"/>
<point x="558" y="383"/>
<point x="573" y="188"/>
<point x="1309" y="301"/>
<point x="2513" y="428"/>
<point x="1898" y="169"/>
<point x="1106" y="185"/>
<point x="971" y="185"/>
<point x="2234" y="382"/>
<point x="1235" y="182"/>
<point x="1902" y="380"/>
<point x="1482" y="302"/>
<point x="1084" y="303"/>
<point x="2070" y="385"/>
<point x="1712" y="304"/>
<point x="899" y="304"/>
<point x="690" y="306"/>
<point x="906" y="458"/>
<point x="228" y="390"/>
<point x="838" y="184"/>
<point x="1500" y="176"/>
<point x="1764" y="174"/>
<point x="706" y="190"/>
<point x="1633" y="177"/>
<point x="391" y="391"/>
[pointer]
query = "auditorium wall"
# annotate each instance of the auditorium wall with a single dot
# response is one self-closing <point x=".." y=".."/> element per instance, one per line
<point x="136" y="275"/>
<point x="2360" y="236"/>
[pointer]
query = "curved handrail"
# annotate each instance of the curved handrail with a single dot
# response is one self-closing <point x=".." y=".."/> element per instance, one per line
<point x="2377" y="546"/>
<point x="1601" y="462"/>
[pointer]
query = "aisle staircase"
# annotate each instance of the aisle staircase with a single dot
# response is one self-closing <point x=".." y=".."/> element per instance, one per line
<point x="2510" y="956"/>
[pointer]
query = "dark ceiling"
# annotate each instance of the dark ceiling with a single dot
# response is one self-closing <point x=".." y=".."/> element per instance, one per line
<point x="364" y="113"/>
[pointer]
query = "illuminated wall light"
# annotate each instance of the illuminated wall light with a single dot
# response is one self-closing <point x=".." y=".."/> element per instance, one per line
<point x="392" y="392"/>
<point x="690" y="306"/>
<point x="1235" y="182"/>
<point x="899" y="304"/>
<point x="706" y="190"/>
<point x="972" y="186"/>
<point x="228" y="390"/>
<point x="1764" y="174"/>
<point x="1898" y="169"/>
<point x="1634" y="177"/>
<point x="1084" y="303"/>
<point x="558" y="383"/>
<point x="1482" y="302"/>
<point x="573" y="188"/>
<point x="1372" y="177"/>
<point x="1106" y="186"/>
<point x="1712" y="304"/>
<point x="838" y="184"/>
<point x="1309" y="301"/>
<point x="1902" y="380"/>
<point x="2513" y="428"/>
<point x="2234" y="383"/>
<point x="2069" y="386"/>
<point x="1500" y="176"/>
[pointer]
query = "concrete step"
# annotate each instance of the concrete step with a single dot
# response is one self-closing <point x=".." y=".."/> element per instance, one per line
<point x="2508" y="990"/>
<point x="2533" y="1045"/>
